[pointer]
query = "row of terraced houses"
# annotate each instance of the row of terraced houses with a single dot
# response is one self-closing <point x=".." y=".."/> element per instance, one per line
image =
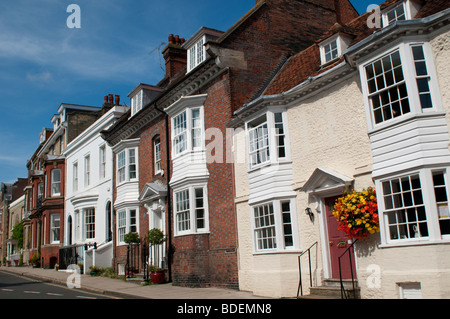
<point x="239" y="153"/>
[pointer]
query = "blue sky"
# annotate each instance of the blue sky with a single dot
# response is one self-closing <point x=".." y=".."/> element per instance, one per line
<point x="43" y="63"/>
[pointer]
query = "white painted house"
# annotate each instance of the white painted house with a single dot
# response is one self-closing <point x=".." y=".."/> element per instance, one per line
<point x="370" y="108"/>
<point x="89" y="192"/>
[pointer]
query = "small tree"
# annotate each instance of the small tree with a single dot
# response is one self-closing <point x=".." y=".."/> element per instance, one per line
<point x="132" y="238"/>
<point x="17" y="234"/>
<point x="155" y="236"/>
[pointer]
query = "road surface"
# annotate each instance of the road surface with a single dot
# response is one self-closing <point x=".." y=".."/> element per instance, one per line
<point x="13" y="286"/>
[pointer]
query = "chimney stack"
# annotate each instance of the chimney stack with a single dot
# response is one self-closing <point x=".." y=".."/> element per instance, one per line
<point x="175" y="55"/>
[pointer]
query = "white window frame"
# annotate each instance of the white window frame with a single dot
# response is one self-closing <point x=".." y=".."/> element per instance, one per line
<point x="429" y="203"/>
<point x="341" y="43"/>
<point x="191" y="211"/>
<point x="196" y="54"/>
<point x="157" y="154"/>
<point x="409" y="74"/>
<point x="75" y="176"/>
<point x="410" y="9"/>
<point x="186" y="134"/>
<point x="102" y="161"/>
<point x="87" y="221"/>
<point x="55" y="183"/>
<point x="127" y="165"/>
<point x="273" y="136"/>
<point x="125" y="223"/>
<point x="280" y="242"/>
<point x="87" y="170"/>
<point x="53" y="228"/>
<point x="136" y="102"/>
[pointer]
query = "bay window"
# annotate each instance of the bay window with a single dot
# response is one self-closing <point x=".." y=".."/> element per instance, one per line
<point x="273" y="226"/>
<point x="399" y="83"/>
<point x="267" y="140"/>
<point x="126" y="223"/>
<point x="187" y="130"/>
<point x="414" y="207"/>
<point x="191" y="210"/>
<point x="127" y="165"/>
<point x="89" y="223"/>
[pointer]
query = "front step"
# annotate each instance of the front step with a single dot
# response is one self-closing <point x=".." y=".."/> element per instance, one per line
<point x="138" y="279"/>
<point x="331" y="289"/>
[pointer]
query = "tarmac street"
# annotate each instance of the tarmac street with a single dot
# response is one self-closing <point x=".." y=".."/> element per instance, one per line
<point x="14" y="286"/>
<point x="120" y="288"/>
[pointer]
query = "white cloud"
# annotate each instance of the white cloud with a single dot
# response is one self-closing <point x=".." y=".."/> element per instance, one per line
<point x="39" y="77"/>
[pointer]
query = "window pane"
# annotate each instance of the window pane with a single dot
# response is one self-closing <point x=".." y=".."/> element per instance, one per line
<point x="389" y="97"/>
<point x="264" y="227"/>
<point x="404" y="208"/>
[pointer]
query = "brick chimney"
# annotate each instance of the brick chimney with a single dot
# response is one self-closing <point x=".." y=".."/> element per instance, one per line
<point x="175" y="55"/>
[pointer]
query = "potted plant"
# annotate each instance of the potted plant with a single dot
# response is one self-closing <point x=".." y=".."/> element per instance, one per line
<point x="357" y="213"/>
<point x="36" y="260"/>
<point x="156" y="237"/>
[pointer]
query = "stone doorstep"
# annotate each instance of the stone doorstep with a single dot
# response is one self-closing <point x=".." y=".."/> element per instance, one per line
<point x="331" y="289"/>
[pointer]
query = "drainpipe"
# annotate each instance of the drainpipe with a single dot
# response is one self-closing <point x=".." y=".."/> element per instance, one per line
<point x="169" y="200"/>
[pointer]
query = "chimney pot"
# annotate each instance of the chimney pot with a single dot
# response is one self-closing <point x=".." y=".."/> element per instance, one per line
<point x="177" y="39"/>
<point x="117" y="99"/>
<point x="106" y="99"/>
<point x="171" y="40"/>
<point x="111" y="99"/>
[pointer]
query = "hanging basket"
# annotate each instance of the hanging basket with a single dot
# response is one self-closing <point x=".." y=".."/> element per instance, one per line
<point x="357" y="213"/>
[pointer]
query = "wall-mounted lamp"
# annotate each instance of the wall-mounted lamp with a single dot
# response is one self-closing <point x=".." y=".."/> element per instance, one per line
<point x="310" y="213"/>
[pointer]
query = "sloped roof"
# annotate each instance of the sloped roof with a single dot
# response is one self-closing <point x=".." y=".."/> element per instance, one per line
<point x="307" y="63"/>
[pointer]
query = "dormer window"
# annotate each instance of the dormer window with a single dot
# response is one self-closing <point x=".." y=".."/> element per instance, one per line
<point x="406" y="10"/>
<point x="196" y="54"/>
<point x="333" y="48"/>
<point x="396" y="14"/>
<point x="331" y="51"/>
<point x="136" y="103"/>
<point x="195" y="46"/>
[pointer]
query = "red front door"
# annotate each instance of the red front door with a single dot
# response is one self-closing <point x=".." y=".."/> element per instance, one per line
<point x="338" y="243"/>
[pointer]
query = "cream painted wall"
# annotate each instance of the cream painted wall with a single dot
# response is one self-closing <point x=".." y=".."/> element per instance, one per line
<point x="329" y="130"/>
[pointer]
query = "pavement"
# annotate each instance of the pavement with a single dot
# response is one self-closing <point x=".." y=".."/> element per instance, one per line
<point x="126" y="289"/>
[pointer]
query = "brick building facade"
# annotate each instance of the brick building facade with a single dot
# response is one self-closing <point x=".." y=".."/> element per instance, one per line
<point x="222" y="72"/>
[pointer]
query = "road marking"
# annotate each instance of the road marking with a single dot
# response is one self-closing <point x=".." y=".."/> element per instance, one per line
<point x="54" y="294"/>
<point x="4" y="289"/>
<point x="31" y="292"/>
<point x="86" y="297"/>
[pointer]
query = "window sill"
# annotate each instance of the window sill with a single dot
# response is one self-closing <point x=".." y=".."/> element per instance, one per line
<point x="278" y="252"/>
<point x="411" y="243"/>
<point x="206" y="232"/>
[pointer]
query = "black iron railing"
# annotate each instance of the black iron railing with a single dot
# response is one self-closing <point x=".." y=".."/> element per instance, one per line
<point x="344" y="293"/>
<point x="70" y="255"/>
<point x="300" y="284"/>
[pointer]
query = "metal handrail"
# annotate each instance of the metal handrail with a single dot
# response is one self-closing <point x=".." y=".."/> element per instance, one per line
<point x="300" y="285"/>
<point x="344" y="294"/>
